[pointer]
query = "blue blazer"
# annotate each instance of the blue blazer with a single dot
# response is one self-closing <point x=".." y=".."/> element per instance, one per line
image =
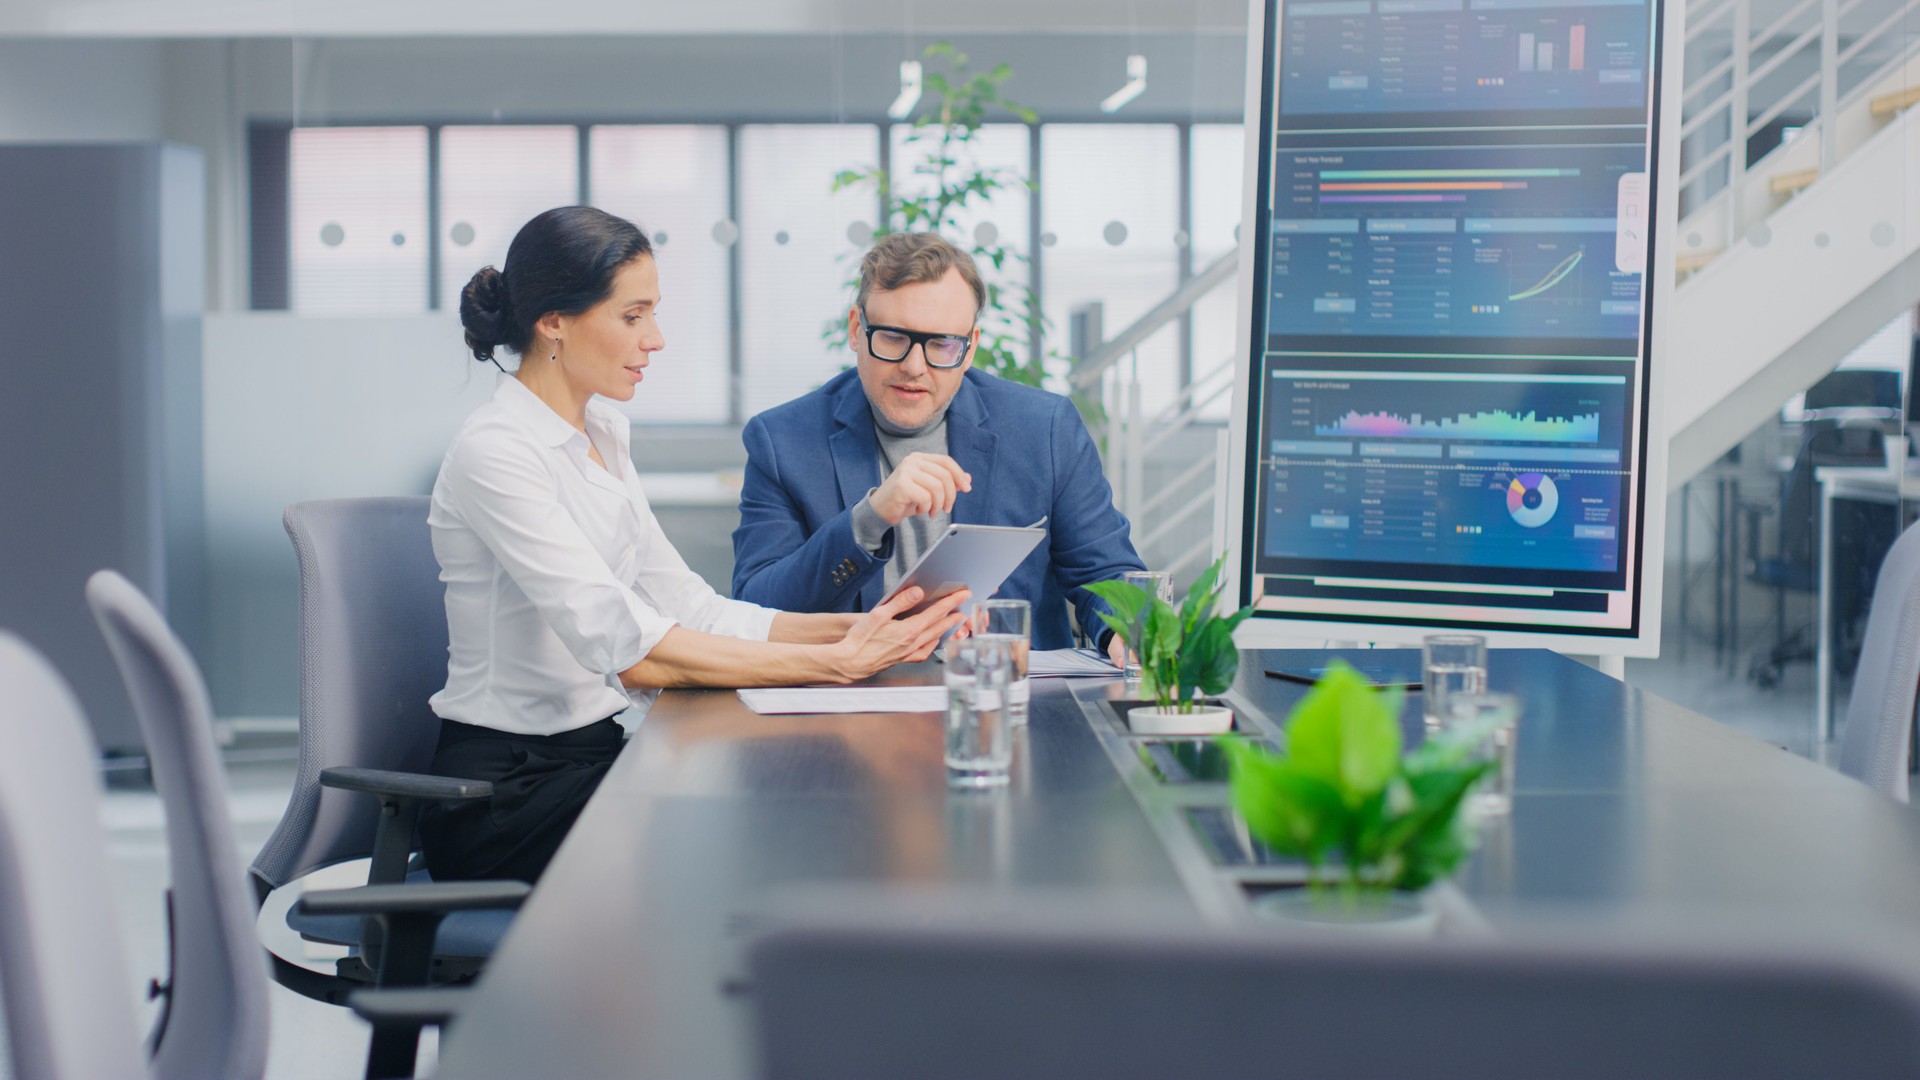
<point x="810" y="461"/>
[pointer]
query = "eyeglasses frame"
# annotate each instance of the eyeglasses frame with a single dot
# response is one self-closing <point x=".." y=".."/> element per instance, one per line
<point x="920" y="338"/>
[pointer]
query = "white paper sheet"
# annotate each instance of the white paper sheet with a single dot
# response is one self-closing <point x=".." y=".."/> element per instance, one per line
<point x="845" y="699"/>
<point x="1067" y="663"/>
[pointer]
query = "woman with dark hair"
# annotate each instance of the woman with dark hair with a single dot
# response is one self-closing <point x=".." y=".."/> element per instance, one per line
<point x="566" y="604"/>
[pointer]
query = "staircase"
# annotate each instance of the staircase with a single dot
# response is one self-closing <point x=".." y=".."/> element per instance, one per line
<point x="1790" y="261"/>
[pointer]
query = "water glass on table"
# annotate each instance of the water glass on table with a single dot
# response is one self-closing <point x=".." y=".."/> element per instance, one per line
<point x="1450" y="664"/>
<point x="1156" y="583"/>
<point x="1009" y="623"/>
<point x="979" y="731"/>
<point x="1491" y="721"/>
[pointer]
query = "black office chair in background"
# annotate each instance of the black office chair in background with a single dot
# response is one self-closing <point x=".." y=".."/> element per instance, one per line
<point x="1844" y="421"/>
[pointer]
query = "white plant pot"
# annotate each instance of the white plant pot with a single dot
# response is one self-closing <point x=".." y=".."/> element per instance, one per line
<point x="1401" y="916"/>
<point x="1203" y="720"/>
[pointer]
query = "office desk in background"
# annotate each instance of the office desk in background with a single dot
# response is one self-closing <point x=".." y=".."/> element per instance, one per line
<point x="1867" y="484"/>
<point x="620" y="965"/>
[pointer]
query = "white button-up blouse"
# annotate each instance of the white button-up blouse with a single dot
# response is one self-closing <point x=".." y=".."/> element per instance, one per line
<point x="558" y="575"/>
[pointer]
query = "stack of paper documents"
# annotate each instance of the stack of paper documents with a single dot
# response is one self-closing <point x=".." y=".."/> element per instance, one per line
<point x="1068" y="663"/>
<point x="846" y="699"/>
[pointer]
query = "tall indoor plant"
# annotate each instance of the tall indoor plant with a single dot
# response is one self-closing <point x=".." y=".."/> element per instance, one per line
<point x="939" y="151"/>
<point x="1343" y="798"/>
<point x="1186" y="651"/>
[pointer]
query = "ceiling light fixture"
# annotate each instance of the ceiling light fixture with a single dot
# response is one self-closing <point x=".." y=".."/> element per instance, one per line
<point x="1136" y="84"/>
<point x="902" y="106"/>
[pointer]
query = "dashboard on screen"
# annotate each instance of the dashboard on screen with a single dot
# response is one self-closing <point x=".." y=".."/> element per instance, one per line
<point x="1447" y="402"/>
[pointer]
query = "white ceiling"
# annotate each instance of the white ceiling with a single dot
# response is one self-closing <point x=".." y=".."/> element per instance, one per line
<point x="382" y="18"/>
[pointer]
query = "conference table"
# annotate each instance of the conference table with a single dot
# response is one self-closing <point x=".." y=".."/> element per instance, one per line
<point x="628" y="958"/>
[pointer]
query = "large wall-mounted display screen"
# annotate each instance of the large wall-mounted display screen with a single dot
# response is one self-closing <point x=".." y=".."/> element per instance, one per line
<point x="1446" y="403"/>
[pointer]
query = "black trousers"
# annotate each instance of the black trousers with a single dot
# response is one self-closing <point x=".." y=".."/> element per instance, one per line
<point x="540" y="784"/>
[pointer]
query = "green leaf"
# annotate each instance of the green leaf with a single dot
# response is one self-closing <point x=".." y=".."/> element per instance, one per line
<point x="1199" y="599"/>
<point x="1208" y="659"/>
<point x="1285" y="808"/>
<point x="1162" y="637"/>
<point x="1341" y="733"/>
<point x="1126" y="602"/>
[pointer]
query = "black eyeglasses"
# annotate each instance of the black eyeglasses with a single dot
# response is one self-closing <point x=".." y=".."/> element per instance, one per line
<point x="893" y="343"/>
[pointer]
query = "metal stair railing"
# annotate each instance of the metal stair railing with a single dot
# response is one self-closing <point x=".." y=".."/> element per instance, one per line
<point x="1110" y="370"/>
<point x="1729" y="102"/>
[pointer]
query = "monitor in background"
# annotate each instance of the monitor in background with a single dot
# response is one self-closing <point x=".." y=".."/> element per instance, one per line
<point x="1855" y="391"/>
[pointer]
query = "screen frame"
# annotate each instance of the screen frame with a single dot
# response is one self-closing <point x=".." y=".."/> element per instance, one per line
<point x="1649" y="503"/>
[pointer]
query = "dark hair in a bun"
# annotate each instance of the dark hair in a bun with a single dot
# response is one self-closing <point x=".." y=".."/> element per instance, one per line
<point x="564" y="260"/>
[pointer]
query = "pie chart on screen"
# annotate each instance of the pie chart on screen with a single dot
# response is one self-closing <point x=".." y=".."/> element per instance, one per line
<point x="1531" y="499"/>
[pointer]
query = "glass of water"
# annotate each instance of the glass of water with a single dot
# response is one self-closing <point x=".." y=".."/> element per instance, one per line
<point x="1490" y="722"/>
<point x="1451" y="664"/>
<point x="1009" y="623"/>
<point x="979" y="731"/>
<point x="1157" y="583"/>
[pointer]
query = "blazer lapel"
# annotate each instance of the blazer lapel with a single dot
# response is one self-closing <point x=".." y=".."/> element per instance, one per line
<point x="972" y="444"/>
<point x="856" y="452"/>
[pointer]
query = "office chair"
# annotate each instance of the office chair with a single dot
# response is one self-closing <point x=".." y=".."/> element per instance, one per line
<point x="892" y="995"/>
<point x="214" y="1019"/>
<point x="63" y="970"/>
<point x="1844" y="421"/>
<point x="1876" y="743"/>
<point x="373" y="649"/>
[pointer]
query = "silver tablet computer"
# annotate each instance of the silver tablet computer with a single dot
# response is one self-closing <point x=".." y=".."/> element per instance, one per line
<point x="972" y="557"/>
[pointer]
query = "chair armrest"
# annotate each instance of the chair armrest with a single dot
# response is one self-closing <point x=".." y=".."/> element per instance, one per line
<point x="404" y="785"/>
<point x="409" y="1007"/>
<point x="422" y="898"/>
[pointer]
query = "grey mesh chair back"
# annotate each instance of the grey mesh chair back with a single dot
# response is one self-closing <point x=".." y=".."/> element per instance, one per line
<point x="1875" y="742"/>
<point x="373" y="649"/>
<point x="215" y="1024"/>
<point x="63" y="973"/>
<point x="883" y="999"/>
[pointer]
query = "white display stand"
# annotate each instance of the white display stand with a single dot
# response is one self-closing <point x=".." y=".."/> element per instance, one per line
<point x="1437" y="310"/>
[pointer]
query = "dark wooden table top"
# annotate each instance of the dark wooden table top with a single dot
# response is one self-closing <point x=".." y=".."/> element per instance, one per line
<point x="1628" y="807"/>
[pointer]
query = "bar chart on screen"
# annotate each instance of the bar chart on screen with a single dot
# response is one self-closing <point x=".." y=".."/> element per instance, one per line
<point x="1371" y="56"/>
<point x="1412" y="241"/>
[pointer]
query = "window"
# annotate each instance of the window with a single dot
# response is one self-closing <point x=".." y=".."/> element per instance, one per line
<point x="796" y="252"/>
<point x="1110" y="203"/>
<point x="1217" y="157"/>
<point x="357" y="220"/>
<point x="747" y="300"/>
<point x="664" y="179"/>
<point x="492" y="180"/>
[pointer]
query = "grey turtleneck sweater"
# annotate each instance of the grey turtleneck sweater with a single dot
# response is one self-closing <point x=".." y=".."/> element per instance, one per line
<point x="912" y="537"/>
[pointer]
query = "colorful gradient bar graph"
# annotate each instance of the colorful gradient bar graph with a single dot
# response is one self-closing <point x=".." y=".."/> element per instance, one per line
<point x="1444" y="174"/>
<point x="1496" y="426"/>
<point x="1392" y="198"/>
<point x="1430" y="185"/>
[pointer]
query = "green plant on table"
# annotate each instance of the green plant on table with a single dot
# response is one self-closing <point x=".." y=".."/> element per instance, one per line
<point x="1185" y="650"/>
<point x="1343" y="793"/>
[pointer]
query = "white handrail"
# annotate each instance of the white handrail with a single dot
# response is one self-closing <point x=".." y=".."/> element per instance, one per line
<point x="1736" y="87"/>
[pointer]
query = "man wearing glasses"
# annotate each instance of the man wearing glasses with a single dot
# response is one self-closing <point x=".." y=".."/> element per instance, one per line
<point x="847" y="486"/>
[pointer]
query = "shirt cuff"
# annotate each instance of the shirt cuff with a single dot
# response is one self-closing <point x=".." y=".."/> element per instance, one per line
<point x="739" y="619"/>
<point x="870" y="530"/>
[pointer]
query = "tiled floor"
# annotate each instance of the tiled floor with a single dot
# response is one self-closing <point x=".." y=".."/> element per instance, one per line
<point x="311" y="1040"/>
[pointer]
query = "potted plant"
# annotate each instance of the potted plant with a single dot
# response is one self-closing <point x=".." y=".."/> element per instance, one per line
<point x="1374" y="827"/>
<point x="1186" y="653"/>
